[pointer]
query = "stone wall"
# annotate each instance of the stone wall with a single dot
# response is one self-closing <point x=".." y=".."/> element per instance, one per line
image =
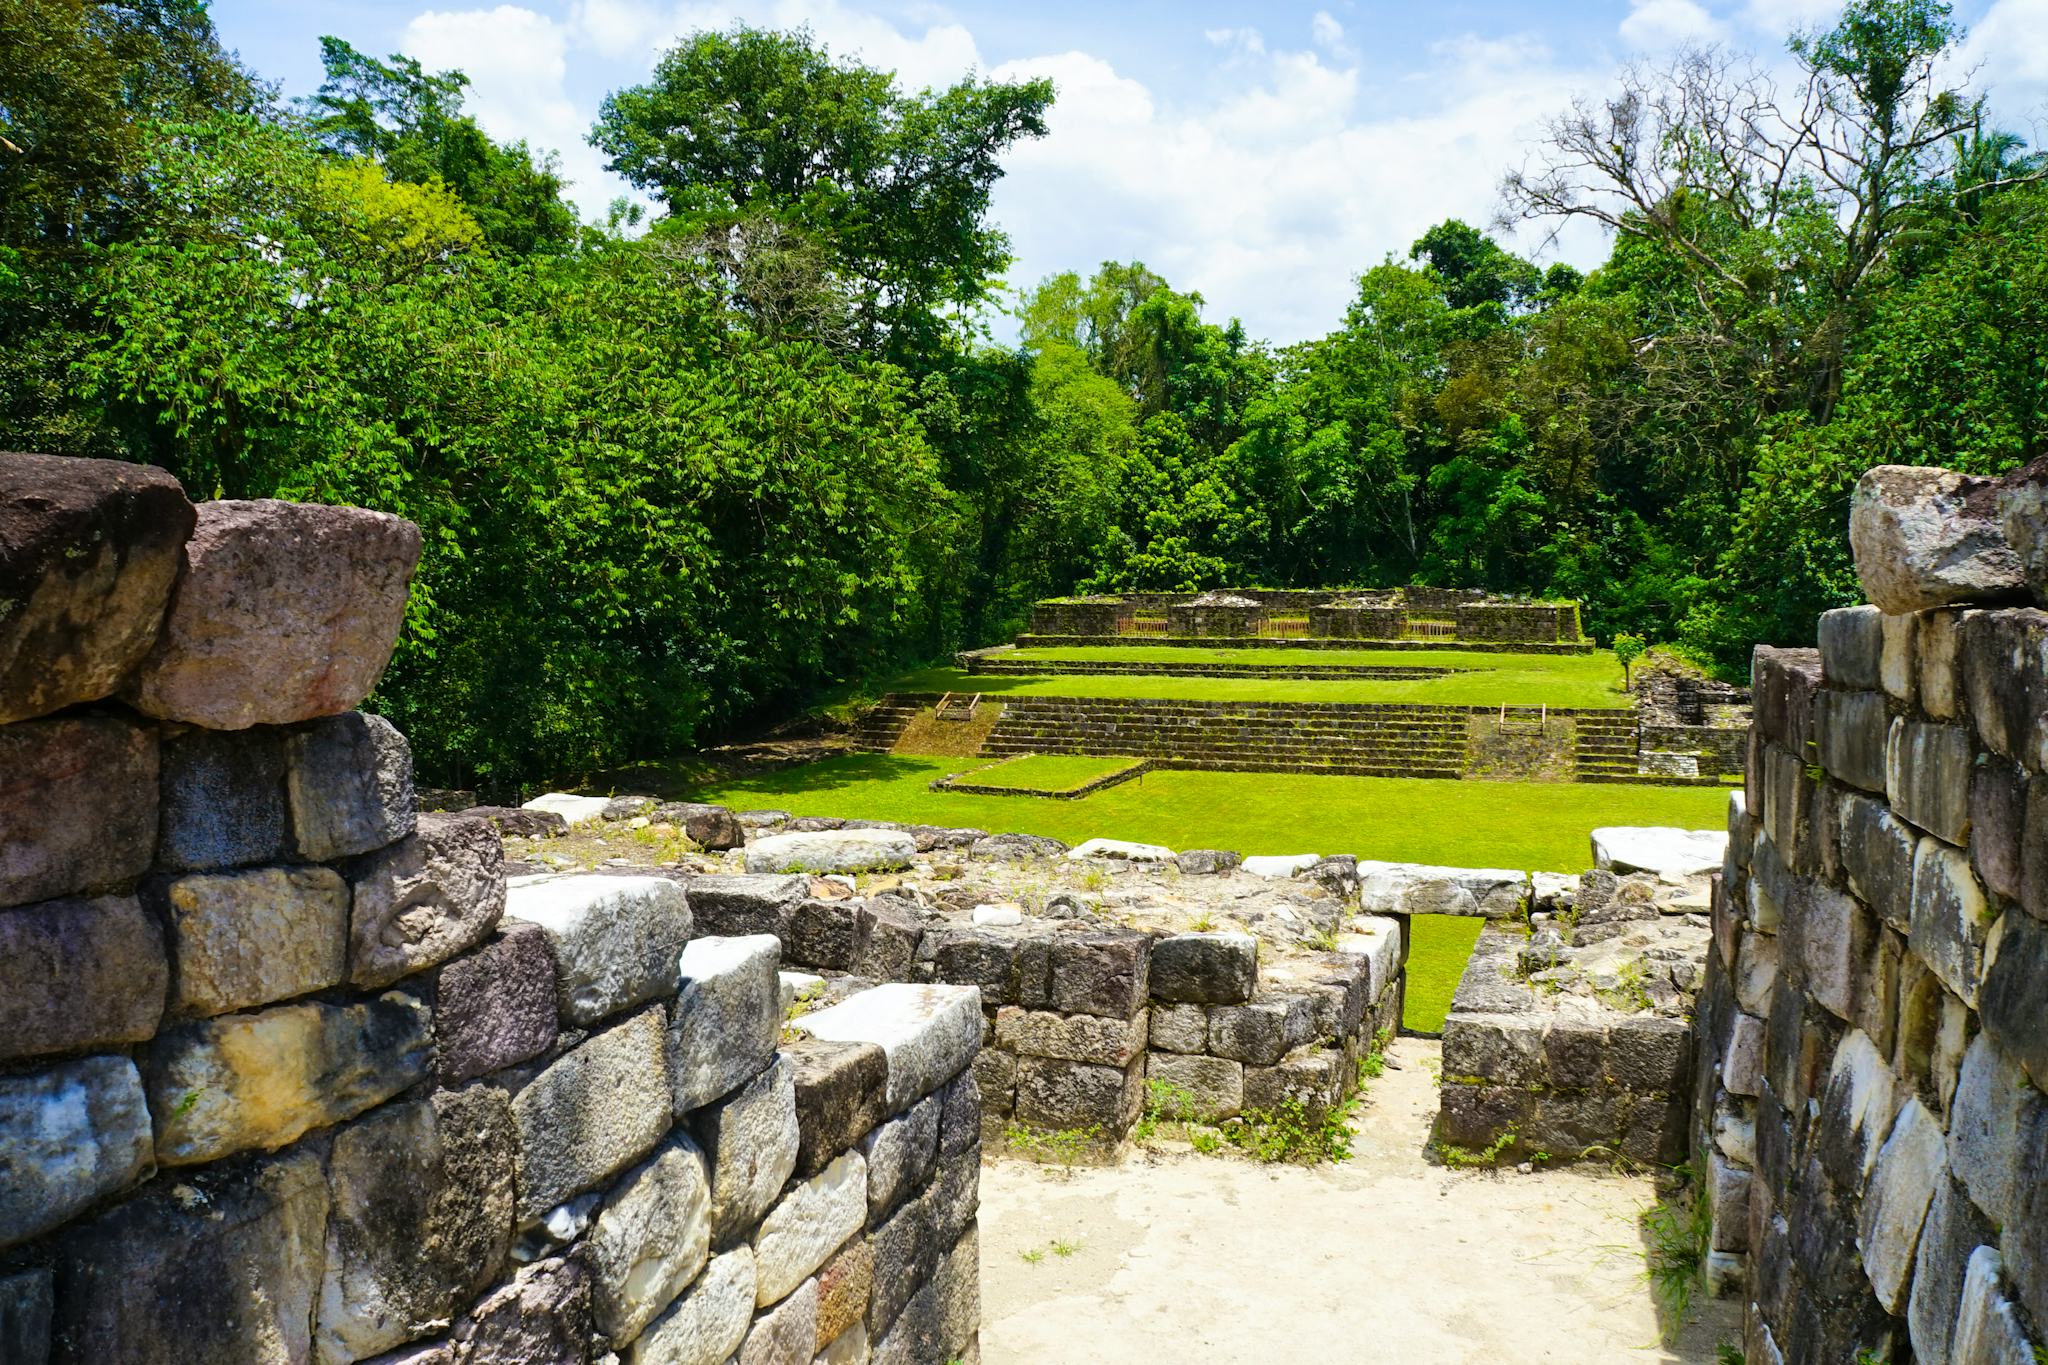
<point x="287" y="1074"/>
<point x="1345" y="621"/>
<point x="1524" y="621"/>
<point x="1081" y="616"/>
<point x="1215" y="614"/>
<point x="1874" y="1028"/>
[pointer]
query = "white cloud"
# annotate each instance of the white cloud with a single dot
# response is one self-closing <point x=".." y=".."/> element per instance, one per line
<point x="2008" y="48"/>
<point x="1657" y="25"/>
<point x="1777" y="18"/>
<point x="1328" y="33"/>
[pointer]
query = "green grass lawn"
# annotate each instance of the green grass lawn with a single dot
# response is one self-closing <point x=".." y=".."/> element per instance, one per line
<point x="1050" y="772"/>
<point x="1438" y="948"/>
<point x="1566" y="680"/>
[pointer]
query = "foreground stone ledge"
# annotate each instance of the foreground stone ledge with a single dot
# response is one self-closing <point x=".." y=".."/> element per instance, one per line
<point x="78" y="809"/>
<point x="69" y="1137"/>
<point x="284" y="612"/>
<point x="250" y="938"/>
<point x="258" y="1081"/>
<point x="616" y="940"/>
<point x="350" y="782"/>
<point x="77" y="974"/>
<point x="592" y="1112"/>
<point x="841" y="1093"/>
<point x="929" y="1034"/>
<point x="424" y="899"/>
<point x="726" y="1017"/>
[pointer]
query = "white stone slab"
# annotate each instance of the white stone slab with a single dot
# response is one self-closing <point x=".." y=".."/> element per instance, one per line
<point x="928" y="1033"/>
<point x="576" y="810"/>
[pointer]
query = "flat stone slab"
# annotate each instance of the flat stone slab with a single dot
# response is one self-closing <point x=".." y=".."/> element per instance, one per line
<point x="617" y="940"/>
<point x="832" y="850"/>
<point x="1422" y="889"/>
<point x="1280" y="864"/>
<point x="1671" y="854"/>
<point x="1123" y="849"/>
<point x="574" y="810"/>
<point x="928" y="1033"/>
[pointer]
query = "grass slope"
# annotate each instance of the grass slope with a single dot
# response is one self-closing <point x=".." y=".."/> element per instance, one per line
<point x="1050" y="772"/>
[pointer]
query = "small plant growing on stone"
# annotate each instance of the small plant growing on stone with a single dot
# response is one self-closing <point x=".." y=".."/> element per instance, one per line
<point x="1374" y="1061"/>
<point x="1627" y="649"/>
<point x="1165" y="1103"/>
<point x="1729" y="1353"/>
<point x="1679" y="1230"/>
<point x="1094" y="879"/>
<point x="1032" y="1255"/>
<point x="1485" y="1158"/>
<point x="1063" y="1146"/>
<point x="1320" y="940"/>
<point x="1207" y="1141"/>
<point x="1290" y="1133"/>
<point x="1202" y="923"/>
<point x="1065" y="1249"/>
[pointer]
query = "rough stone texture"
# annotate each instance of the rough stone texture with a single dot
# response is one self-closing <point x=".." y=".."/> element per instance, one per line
<point x="2023" y="518"/>
<point x="515" y="821"/>
<point x="591" y="1113"/>
<point x="541" y="1318"/>
<point x="616" y="940"/>
<point x="224" y="1265"/>
<point x="1852" y="648"/>
<point x="1953" y="1230"/>
<point x="1910" y="1165"/>
<point x="732" y="906"/>
<point x="1121" y="850"/>
<point x="284" y="612"/>
<point x="425" y="899"/>
<point x="1671" y="854"/>
<point x="1207" y="968"/>
<point x="1105" y="973"/>
<point x="1927" y="777"/>
<point x="25" y="1310"/>
<point x="1180" y="1028"/>
<point x="726" y="1017"/>
<point x="69" y="1137"/>
<point x="928" y="1033"/>
<point x="900" y="1155"/>
<point x="1262" y="1032"/>
<point x="1929" y="538"/>
<point x="1899" y="663"/>
<point x="254" y="937"/>
<point x="1938" y="646"/>
<point x="1207" y="862"/>
<point x="1992" y="1106"/>
<point x="960" y="1114"/>
<point x="711" y="827"/>
<point x="1851" y="729"/>
<point x="708" y="1323"/>
<point x="1997" y="823"/>
<point x="2014" y="1000"/>
<point x="955" y="1193"/>
<point x="840" y="1092"/>
<point x="1877" y="850"/>
<point x="906" y="1253"/>
<point x="837" y="850"/>
<point x="349" y="779"/>
<point x="1951" y="917"/>
<point x="2005" y="681"/>
<point x="843" y="1288"/>
<point x="822" y="934"/>
<point x="243" y="1081"/>
<point x="223" y="799"/>
<point x="79" y="973"/>
<point x="970" y="955"/>
<point x="1215" y="1085"/>
<point x="420" y="1221"/>
<point x="77" y="808"/>
<point x="496" y="1007"/>
<point x="89" y="550"/>
<point x="1783" y="682"/>
<point x="888" y="932"/>
<point x="1071" y="1037"/>
<point x="811" y="1222"/>
<point x="1056" y="1096"/>
<point x="1419" y="889"/>
<point x="1988" y="1327"/>
<point x="786" y="1333"/>
<point x="750" y="1142"/>
<point x="650" y="1240"/>
<point x="1016" y="848"/>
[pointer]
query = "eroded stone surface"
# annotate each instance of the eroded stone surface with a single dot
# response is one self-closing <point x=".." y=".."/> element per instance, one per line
<point x="78" y="809"/>
<point x="349" y="779"/>
<point x="591" y="1113"/>
<point x="900" y="1154"/>
<point x="257" y="936"/>
<point x="928" y="1033"/>
<point x="708" y="1323"/>
<point x="616" y="940"/>
<point x="726" y="1017"/>
<point x="425" y="899"/>
<point x="495" y="1007"/>
<point x="69" y="1137"/>
<point x="79" y="973"/>
<point x="1927" y="537"/>
<point x="811" y="1222"/>
<point x="650" y="1240"/>
<point x="750" y="1143"/>
<point x="223" y="799"/>
<point x="838" y="850"/>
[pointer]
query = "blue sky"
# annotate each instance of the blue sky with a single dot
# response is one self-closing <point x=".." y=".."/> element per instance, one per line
<point x="1262" y="154"/>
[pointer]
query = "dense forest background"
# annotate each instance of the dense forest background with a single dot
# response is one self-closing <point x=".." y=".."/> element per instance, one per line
<point x="682" y="475"/>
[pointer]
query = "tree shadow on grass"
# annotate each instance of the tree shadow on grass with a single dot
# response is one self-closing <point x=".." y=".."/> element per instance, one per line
<point x="835" y="774"/>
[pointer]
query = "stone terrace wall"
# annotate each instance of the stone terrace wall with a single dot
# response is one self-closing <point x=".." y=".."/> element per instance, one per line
<point x="287" y="1076"/>
<point x="1874" y="1027"/>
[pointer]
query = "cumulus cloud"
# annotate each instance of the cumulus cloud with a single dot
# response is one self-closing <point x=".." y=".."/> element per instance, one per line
<point x="2008" y="50"/>
<point x="1657" y="25"/>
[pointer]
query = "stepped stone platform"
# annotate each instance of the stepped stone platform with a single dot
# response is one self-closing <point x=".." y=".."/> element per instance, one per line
<point x="995" y="662"/>
<point x="1038" y="639"/>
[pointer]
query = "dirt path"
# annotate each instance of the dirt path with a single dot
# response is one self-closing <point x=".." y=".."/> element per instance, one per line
<point x="1384" y="1258"/>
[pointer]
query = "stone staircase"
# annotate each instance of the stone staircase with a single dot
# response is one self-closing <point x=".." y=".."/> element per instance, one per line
<point x="1606" y="747"/>
<point x="884" y="724"/>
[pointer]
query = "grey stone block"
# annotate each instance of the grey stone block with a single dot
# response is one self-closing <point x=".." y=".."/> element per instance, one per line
<point x="1928" y="769"/>
<point x="825" y="934"/>
<point x="751" y="903"/>
<point x="591" y="1113"/>
<point x="25" y="1311"/>
<point x="1727" y="1193"/>
<point x="906" y="1253"/>
<point x="1938" y="649"/>
<point x="496" y="1007"/>
<point x="2014" y="1001"/>
<point x="1998" y="820"/>
<point x="1852" y="647"/>
<point x="1308" y="1081"/>
<point x="1179" y="1028"/>
<point x="1106" y="973"/>
<point x="1059" y="1096"/>
<point x="349" y="779"/>
<point x="929" y="1033"/>
<point x="1877" y="855"/>
<point x="1214" y="1086"/>
<point x="726" y="1018"/>
<point x="1988" y="1326"/>
<point x="1953" y="1230"/>
<point x="222" y="799"/>
<point x="1207" y="968"/>
<point x="1504" y="1049"/>
<point x="843" y="1288"/>
<point x="900" y="1155"/>
<point x="841" y="1093"/>
<point x="708" y="1323"/>
<point x="1473" y="1115"/>
<point x="1833" y="938"/>
<point x="79" y="809"/>
<point x="1912" y="1163"/>
<point x="424" y="899"/>
<point x="750" y="1141"/>
<point x="1855" y="1112"/>
<point x="2005" y="679"/>
<point x="1783" y="682"/>
<point x="1929" y="537"/>
<point x="960" y="1115"/>
<point x="1899" y="661"/>
<point x="1016" y="847"/>
<point x="1207" y="862"/>
<point x="889" y="933"/>
<point x="1648" y="1054"/>
<point x="1262" y="1032"/>
<point x="969" y="955"/>
<point x="616" y="940"/>
<point x="649" y="1241"/>
<point x="541" y="1318"/>
<point x="786" y="1334"/>
<point x="1071" y="1037"/>
<point x="69" y="1137"/>
<point x="254" y="937"/>
<point x="809" y="1223"/>
<point x="1993" y="1105"/>
<point x="2025" y="1240"/>
<point x="79" y="973"/>
<point x="1850" y="731"/>
<point x="1951" y="917"/>
<point x="1742" y="1064"/>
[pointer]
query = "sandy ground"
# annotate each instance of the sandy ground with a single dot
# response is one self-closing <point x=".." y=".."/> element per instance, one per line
<point x="1384" y="1258"/>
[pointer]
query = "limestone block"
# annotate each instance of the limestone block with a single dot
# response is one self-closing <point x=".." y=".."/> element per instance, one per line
<point x="1473" y="1115"/>
<point x="284" y="612"/>
<point x="574" y="810"/>
<point x="424" y="899"/>
<point x="1056" y="1096"/>
<point x="928" y="1033"/>
<point x="1105" y="973"/>
<point x="1742" y="1065"/>
<point x="1998" y="817"/>
<point x="1927" y="537"/>
<point x="258" y="1081"/>
<point x="89" y="550"/>
<point x="1783" y="682"/>
<point x="541" y="1318"/>
<point x="1310" y="1081"/>
<point x="650" y="1240"/>
<point x="496" y="1007"/>
<point x="2005" y="681"/>
<point x="1508" y="1049"/>
<point x="841" y="1093"/>
<point x="1855" y="1112"/>
<point x="78" y="811"/>
<point x="1927" y="777"/>
<point x="843" y="1287"/>
<point x="969" y="955"/>
<point x="518" y="822"/>
<point x="1207" y="862"/>
<point x="1180" y="1028"/>
<point x="1912" y="1163"/>
<point x="1205" y="968"/>
<point x="749" y="904"/>
<point x="1827" y="926"/>
<point x="1672" y="855"/>
<point x="726" y="1018"/>
<point x="223" y="800"/>
<point x="25" y="1310"/>
<point x="708" y="1323"/>
<point x="1072" y="1037"/>
<point x="2014" y="1001"/>
<point x="1852" y="647"/>
<point x="1877" y="850"/>
<point x="960" y="1114"/>
<point x="906" y="1254"/>
<point x="888" y="932"/>
<point x="590" y="1113"/>
<point x="1735" y="1136"/>
<point x="750" y="1142"/>
<point x="420" y="1220"/>
<point x="616" y="940"/>
<point x="711" y="827"/>
<point x="834" y="850"/>
<point x="1121" y="850"/>
<point x="1899" y="665"/>
<point x="1938" y="660"/>
<point x="1262" y="1032"/>
<point x="79" y="973"/>
<point x="220" y="1265"/>
<point x="822" y="934"/>
<point x="1214" y="1085"/>
<point x="1015" y="848"/>
<point x="1728" y="1199"/>
<point x="1993" y="1105"/>
<point x="1951" y="917"/>
<point x="1850" y="731"/>
<point x="850" y="1347"/>
<point x="995" y="1074"/>
<point x="1756" y="971"/>
<point x="955" y="1193"/>
<point x="1953" y="1231"/>
<point x="256" y="936"/>
<point x="349" y="779"/>
<point x="1574" y="1052"/>
<point x="811" y="1222"/>
<point x="786" y="1333"/>
<point x="1280" y="865"/>
<point x="69" y="1137"/>
<point x="1988" y="1326"/>
<point x="1648" y="1054"/>
<point x="900" y="1155"/>
<point x="1420" y="889"/>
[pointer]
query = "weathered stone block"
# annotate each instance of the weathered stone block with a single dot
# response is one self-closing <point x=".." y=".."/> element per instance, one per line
<point x="1993" y="1105"/>
<point x="1850" y="732"/>
<point x="349" y="779"/>
<point x="711" y="827"/>
<point x="2005" y="680"/>
<point x="1648" y="1054"/>
<point x="1473" y="1115"/>
<point x="1420" y="889"/>
<point x="1572" y="1051"/>
<point x="69" y="1137"/>
<point x="2014" y="1000"/>
<point x="284" y="612"/>
<point x="1938" y="649"/>
<point x="906" y="1253"/>
<point x="79" y="973"/>
<point x="25" y="1312"/>
<point x="726" y="1017"/>
<point x="1057" y="1096"/>
<point x="969" y="955"/>
<point x="1855" y="1112"/>
<point x="888" y="935"/>
<point x="840" y="1094"/>
<point x="1179" y="1028"/>
<point x="733" y="906"/>
<point x="835" y="850"/>
<point x="649" y="1241"/>
<point x="811" y="1222"/>
<point x="823" y="934"/>
<point x="1997" y="819"/>
<point x="928" y="1033"/>
<point x="1927" y="777"/>
<point x="1899" y="664"/>
<point x="424" y="899"/>
<point x="541" y="1318"/>
<point x="78" y="809"/>
<point x="1909" y="1167"/>
<point x="1756" y="971"/>
<point x="420" y="1220"/>
<point x="1951" y="917"/>
<point x="955" y="1193"/>
<point x="750" y="1140"/>
<point x="592" y="1112"/>
<point x="900" y="1154"/>
<point x="222" y="799"/>
<point x="995" y="1074"/>
<point x="1988" y="1326"/>
<point x="257" y="1081"/>
<point x="257" y="936"/>
<point x="1727" y="1190"/>
<point x="1852" y="647"/>
<point x="1262" y="1032"/>
<point x="1207" y="968"/>
<point x="1213" y="1087"/>
<point x="1829" y="929"/>
<point x="1783" y="682"/>
<point x="1105" y="973"/>
<point x="1508" y="1049"/>
<point x="959" y="1114"/>
<point x="708" y="1323"/>
<point x="1953" y="1230"/>
<point x="496" y="1007"/>
<point x="1877" y="850"/>
<point x="1071" y="1037"/>
<point x="616" y="940"/>
<point x="1207" y="862"/>
<point x="843" y="1287"/>
<point x="1929" y="538"/>
<point x="223" y="1265"/>
<point x="786" y="1333"/>
<point x="1742" y="1066"/>
<point x="89" y="550"/>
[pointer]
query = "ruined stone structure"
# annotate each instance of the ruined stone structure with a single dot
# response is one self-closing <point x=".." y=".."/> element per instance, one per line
<point x="1389" y="618"/>
<point x="287" y="1073"/>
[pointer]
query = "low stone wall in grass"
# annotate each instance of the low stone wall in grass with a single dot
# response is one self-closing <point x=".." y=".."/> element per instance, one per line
<point x="962" y="784"/>
<point x="1038" y="639"/>
<point x="1519" y="622"/>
